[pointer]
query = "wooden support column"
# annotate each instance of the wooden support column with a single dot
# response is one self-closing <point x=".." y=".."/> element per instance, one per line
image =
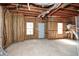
<point x="1" y="27"/>
<point x="77" y="26"/>
<point x="2" y="52"/>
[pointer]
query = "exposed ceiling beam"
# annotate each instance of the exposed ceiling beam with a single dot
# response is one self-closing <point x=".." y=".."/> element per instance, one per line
<point x="69" y="13"/>
<point x="25" y="6"/>
<point x="76" y="5"/>
<point x="57" y="9"/>
<point x="62" y="15"/>
<point x="65" y="14"/>
<point x="22" y="12"/>
<point x="30" y="15"/>
<point x="25" y="10"/>
<point x="67" y="10"/>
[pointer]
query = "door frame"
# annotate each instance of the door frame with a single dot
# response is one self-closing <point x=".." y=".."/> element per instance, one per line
<point x="44" y="30"/>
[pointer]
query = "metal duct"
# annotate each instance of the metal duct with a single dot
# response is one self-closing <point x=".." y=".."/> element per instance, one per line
<point x="53" y="7"/>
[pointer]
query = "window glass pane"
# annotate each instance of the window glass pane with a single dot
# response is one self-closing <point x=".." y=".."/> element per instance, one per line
<point x="29" y="28"/>
<point x="29" y="32"/>
<point x="60" y="25"/>
<point x="60" y="28"/>
<point x="60" y="31"/>
<point x="29" y="24"/>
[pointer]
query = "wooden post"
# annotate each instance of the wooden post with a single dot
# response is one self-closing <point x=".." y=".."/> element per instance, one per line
<point x="76" y="23"/>
<point x="2" y="52"/>
<point x="1" y="27"/>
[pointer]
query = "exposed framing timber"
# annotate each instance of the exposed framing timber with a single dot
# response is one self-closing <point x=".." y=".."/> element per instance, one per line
<point x="69" y="13"/>
<point x="25" y="7"/>
<point x="63" y="14"/>
<point x="75" y="5"/>
<point x="67" y="10"/>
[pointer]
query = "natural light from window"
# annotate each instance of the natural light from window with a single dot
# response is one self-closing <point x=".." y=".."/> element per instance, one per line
<point x="60" y="28"/>
<point x="29" y="28"/>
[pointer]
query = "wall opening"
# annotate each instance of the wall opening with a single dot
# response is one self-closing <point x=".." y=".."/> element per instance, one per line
<point x="60" y="28"/>
<point x="29" y="28"/>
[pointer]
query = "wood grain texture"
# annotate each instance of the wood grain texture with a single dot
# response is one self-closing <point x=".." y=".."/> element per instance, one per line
<point x="52" y="26"/>
<point x="9" y="29"/>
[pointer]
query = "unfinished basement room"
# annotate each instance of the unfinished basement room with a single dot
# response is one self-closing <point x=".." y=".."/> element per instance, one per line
<point x="39" y="29"/>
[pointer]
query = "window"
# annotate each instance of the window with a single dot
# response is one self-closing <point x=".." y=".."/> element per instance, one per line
<point x="60" y="28"/>
<point x="29" y="28"/>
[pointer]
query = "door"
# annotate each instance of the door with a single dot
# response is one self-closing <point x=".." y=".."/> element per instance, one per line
<point x="41" y="30"/>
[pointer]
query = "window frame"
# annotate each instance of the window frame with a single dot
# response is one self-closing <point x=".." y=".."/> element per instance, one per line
<point x="29" y="28"/>
<point x="60" y="28"/>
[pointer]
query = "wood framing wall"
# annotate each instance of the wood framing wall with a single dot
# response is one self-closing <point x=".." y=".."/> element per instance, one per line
<point x="16" y="17"/>
<point x="52" y="26"/>
<point x="18" y="27"/>
<point x="15" y="27"/>
<point x="8" y="29"/>
<point x="35" y="21"/>
<point x="1" y="26"/>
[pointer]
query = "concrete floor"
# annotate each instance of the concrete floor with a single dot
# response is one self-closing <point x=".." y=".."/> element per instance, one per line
<point x="44" y="47"/>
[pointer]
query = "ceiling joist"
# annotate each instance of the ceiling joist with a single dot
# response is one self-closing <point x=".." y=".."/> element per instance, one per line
<point x="36" y="9"/>
<point x="70" y="10"/>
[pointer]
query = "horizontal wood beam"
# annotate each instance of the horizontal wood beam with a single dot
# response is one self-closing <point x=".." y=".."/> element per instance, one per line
<point x="76" y="5"/>
<point x="60" y="14"/>
<point x="30" y="15"/>
<point x="25" y="14"/>
<point x="33" y="7"/>
<point x="25" y="6"/>
<point x="26" y="10"/>
<point x="23" y="11"/>
<point x="65" y="14"/>
<point x="67" y="10"/>
<point x="69" y="13"/>
<point x="35" y="10"/>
